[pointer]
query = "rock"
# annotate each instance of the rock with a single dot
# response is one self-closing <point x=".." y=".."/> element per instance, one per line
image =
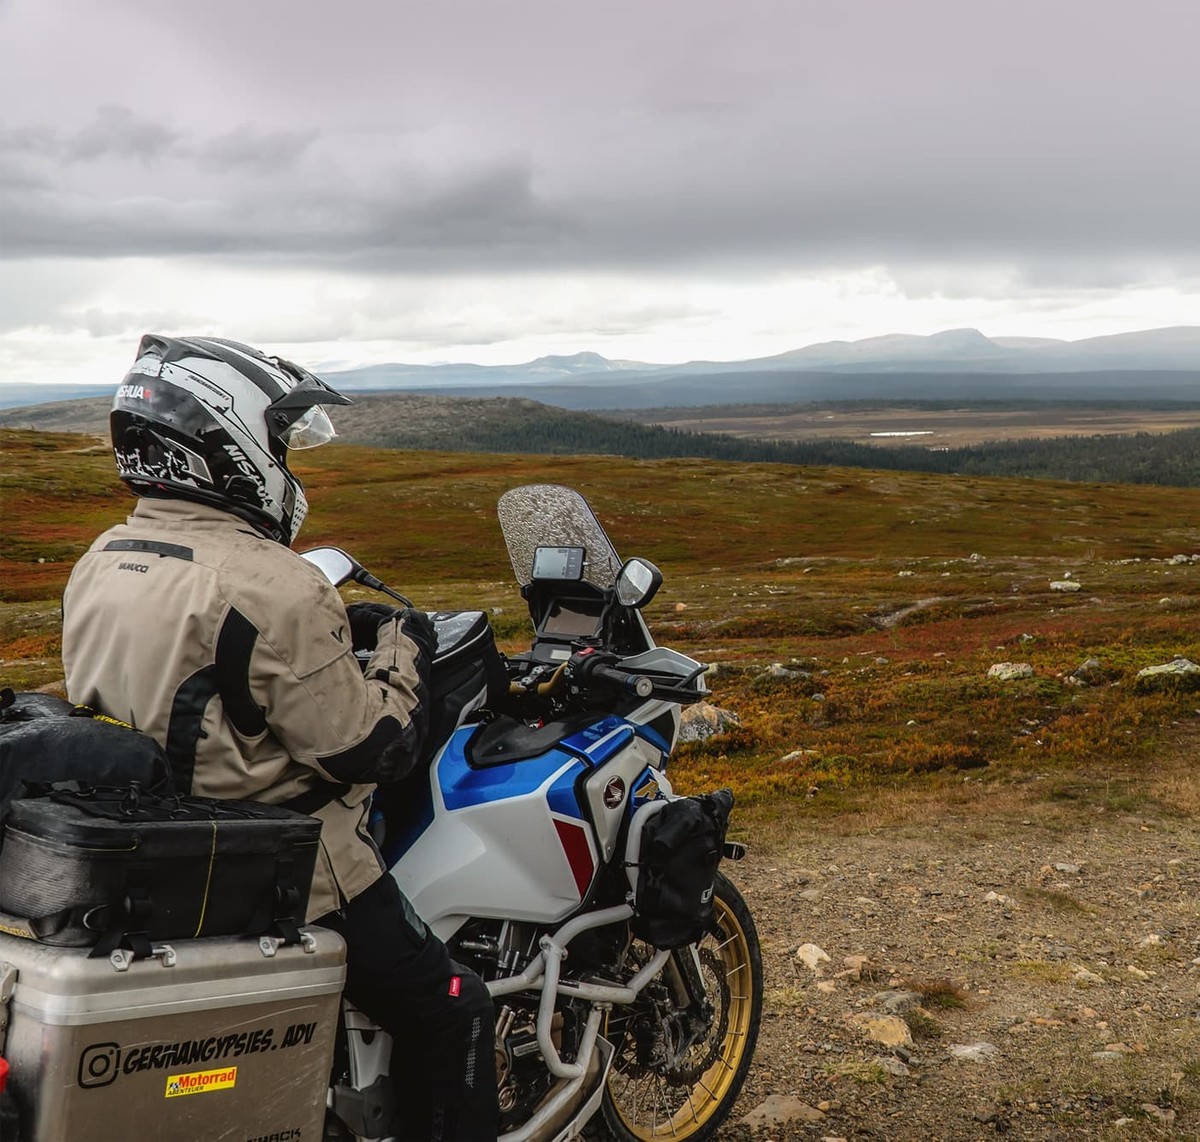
<point x="997" y="898"/>
<point x="779" y="1109"/>
<point x="1153" y="940"/>
<point x="1090" y="672"/>
<point x="885" y="1029"/>
<point x="827" y="986"/>
<point x="897" y="1002"/>
<point x="704" y="720"/>
<point x="810" y="956"/>
<point x="1085" y="978"/>
<point x="1009" y="671"/>
<point x="778" y="670"/>
<point x="905" y="574"/>
<point x="1178" y="674"/>
<point x="975" y="1052"/>
<point x="680" y="607"/>
<point x="812" y="895"/>
<point x="1160" y="1114"/>
<point x="1065" y="585"/>
<point x="892" y="1065"/>
<point x="1070" y="869"/>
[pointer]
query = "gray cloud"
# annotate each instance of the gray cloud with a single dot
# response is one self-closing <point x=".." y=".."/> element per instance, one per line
<point x="688" y="135"/>
<point x="117" y="132"/>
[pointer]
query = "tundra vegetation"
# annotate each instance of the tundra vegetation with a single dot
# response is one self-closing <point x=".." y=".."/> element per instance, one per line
<point x="1017" y="854"/>
<point x="850" y="616"/>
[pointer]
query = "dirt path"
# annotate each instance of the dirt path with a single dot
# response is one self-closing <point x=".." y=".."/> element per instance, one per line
<point x="1059" y="950"/>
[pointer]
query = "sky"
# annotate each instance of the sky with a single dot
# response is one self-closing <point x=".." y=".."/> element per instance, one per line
<point x="655" y="180"/>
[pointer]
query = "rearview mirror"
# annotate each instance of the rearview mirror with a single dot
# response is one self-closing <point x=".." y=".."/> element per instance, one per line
<point x="333" y="563"/>
<point x="638" y="583"/>
<point x="339" y="568"/>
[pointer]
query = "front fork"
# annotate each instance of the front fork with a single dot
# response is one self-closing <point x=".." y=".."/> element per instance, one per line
<point x="693" y="1008"/>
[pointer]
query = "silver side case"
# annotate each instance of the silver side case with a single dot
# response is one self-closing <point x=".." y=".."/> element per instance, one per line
<point x="208" y="1039"/>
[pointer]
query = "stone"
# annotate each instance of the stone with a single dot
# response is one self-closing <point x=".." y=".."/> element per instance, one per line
<point x="897" y="1002"/>
<point x="1069" y="869"/>
<point x="1179" y="674"/>
<point x="778" y="670"/>
<point x="779" y="1109"/>
<point x="1160" y="1114"/>
<point x="1010" y="671"/>
<point x="891" y="1065"/>
<point x="885" y="1029"/>
<point x="704" y="720"/>
<point x="1090" y="672"/>
<point x="997" y="898"/>
<point x="812" y="895"/>
<point x="1066" y="585"/>
<point x="981" y="1052"/>
<point x="810" y="956"/>
<point x="1085" y="978"/>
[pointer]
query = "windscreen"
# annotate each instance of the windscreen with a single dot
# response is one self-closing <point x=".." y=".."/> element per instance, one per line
<point x="549" y="515"/>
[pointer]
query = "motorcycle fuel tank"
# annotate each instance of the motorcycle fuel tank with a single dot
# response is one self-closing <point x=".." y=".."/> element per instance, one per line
<point x="218" y="1041"/>
<point x="521" y="840"/>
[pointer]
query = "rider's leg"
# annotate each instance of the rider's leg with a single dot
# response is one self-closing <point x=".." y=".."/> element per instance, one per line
<point x="439" y="1015"/>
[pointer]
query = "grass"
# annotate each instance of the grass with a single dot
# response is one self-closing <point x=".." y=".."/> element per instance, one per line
<point x="766" y="564"/>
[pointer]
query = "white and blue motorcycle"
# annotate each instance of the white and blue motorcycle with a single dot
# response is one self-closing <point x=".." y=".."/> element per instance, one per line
<point x="534" y="844"/>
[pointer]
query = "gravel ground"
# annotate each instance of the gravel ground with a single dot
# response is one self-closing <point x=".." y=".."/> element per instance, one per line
<point x="1057" y="954"/>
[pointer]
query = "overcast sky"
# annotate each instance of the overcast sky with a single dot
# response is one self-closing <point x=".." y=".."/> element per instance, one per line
<point x="660" y="180"/>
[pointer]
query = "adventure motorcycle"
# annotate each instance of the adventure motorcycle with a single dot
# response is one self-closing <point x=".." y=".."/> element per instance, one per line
<point x="542" y="843"/>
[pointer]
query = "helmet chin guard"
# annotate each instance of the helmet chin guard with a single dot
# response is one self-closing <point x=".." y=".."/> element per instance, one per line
<point x="211" y="420"/>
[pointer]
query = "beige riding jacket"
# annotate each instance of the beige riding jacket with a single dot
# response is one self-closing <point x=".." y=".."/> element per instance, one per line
<point x="235" y="654"/>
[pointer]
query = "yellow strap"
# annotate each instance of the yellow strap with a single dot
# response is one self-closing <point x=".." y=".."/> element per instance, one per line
<point x="212" y="859"/>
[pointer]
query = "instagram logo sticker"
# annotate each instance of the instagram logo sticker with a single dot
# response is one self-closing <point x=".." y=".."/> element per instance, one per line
<point x="99" y="1065"/>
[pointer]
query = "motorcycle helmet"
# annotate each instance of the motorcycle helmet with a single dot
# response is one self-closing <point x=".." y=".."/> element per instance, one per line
<point x="205" y="419"/>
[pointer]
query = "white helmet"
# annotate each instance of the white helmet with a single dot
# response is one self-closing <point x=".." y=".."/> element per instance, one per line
<point x="205" y="419"/>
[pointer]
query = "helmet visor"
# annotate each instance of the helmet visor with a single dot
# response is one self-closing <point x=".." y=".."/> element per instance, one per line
<point x="310" y="430"/>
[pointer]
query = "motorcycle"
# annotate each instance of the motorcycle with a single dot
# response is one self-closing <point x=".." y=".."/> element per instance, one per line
<point x="537" y="844"/>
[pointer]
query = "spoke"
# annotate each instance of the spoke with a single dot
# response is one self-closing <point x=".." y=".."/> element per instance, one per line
<point x="701" y="1082"/>
<point x="725" y="943"/>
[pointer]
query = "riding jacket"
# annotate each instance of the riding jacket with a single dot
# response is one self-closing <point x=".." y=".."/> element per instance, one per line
<point x="235" y="655"/>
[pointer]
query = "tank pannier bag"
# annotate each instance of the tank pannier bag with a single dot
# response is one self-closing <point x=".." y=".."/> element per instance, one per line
<point x="674" y="855"/>
<point x="467" y="674"/>
<point x="120" y="867"/>
<point x="44" y="739"/>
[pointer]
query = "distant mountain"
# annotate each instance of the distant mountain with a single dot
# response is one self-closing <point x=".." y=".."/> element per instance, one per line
<point x="19" y="393"/>
<point x="1154" y="364"/>
<point x="955" y="363"/>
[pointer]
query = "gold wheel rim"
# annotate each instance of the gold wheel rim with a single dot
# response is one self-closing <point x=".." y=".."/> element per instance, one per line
<point x="703" y="1098"/>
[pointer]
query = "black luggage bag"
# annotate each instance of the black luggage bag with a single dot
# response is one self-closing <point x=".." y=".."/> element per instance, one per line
<point x="121" y="867"/>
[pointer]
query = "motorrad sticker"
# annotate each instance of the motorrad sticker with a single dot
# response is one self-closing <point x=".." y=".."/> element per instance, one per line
<point x="201" y="1082"/>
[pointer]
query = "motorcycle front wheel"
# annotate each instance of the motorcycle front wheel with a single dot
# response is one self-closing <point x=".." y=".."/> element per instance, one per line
<point x="649" y="1097"/>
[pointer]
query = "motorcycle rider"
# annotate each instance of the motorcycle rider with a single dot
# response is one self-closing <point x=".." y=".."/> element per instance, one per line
<point x="196" y="623"/>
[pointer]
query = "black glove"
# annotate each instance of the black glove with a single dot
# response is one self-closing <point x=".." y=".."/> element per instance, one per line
<point x="419" y="627"/>
<point x="365" y="619"/>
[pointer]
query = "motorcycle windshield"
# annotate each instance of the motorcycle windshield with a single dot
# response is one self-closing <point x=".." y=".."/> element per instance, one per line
<point x="549" y="515"/>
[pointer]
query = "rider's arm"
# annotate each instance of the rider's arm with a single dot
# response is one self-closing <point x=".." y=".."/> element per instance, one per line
<point x="352" y="727"/>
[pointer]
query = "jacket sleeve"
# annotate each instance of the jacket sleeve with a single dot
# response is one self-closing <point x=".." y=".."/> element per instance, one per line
<point x="352" y="726"/>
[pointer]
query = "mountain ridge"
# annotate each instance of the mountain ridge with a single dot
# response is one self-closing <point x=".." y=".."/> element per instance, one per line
<point x="893" y="366"/>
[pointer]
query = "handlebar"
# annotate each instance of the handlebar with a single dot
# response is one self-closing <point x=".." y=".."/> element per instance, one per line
<point x="636" y="684"/>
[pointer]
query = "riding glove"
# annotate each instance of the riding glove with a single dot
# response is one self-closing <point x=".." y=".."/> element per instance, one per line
<point x="365" y="619"/>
